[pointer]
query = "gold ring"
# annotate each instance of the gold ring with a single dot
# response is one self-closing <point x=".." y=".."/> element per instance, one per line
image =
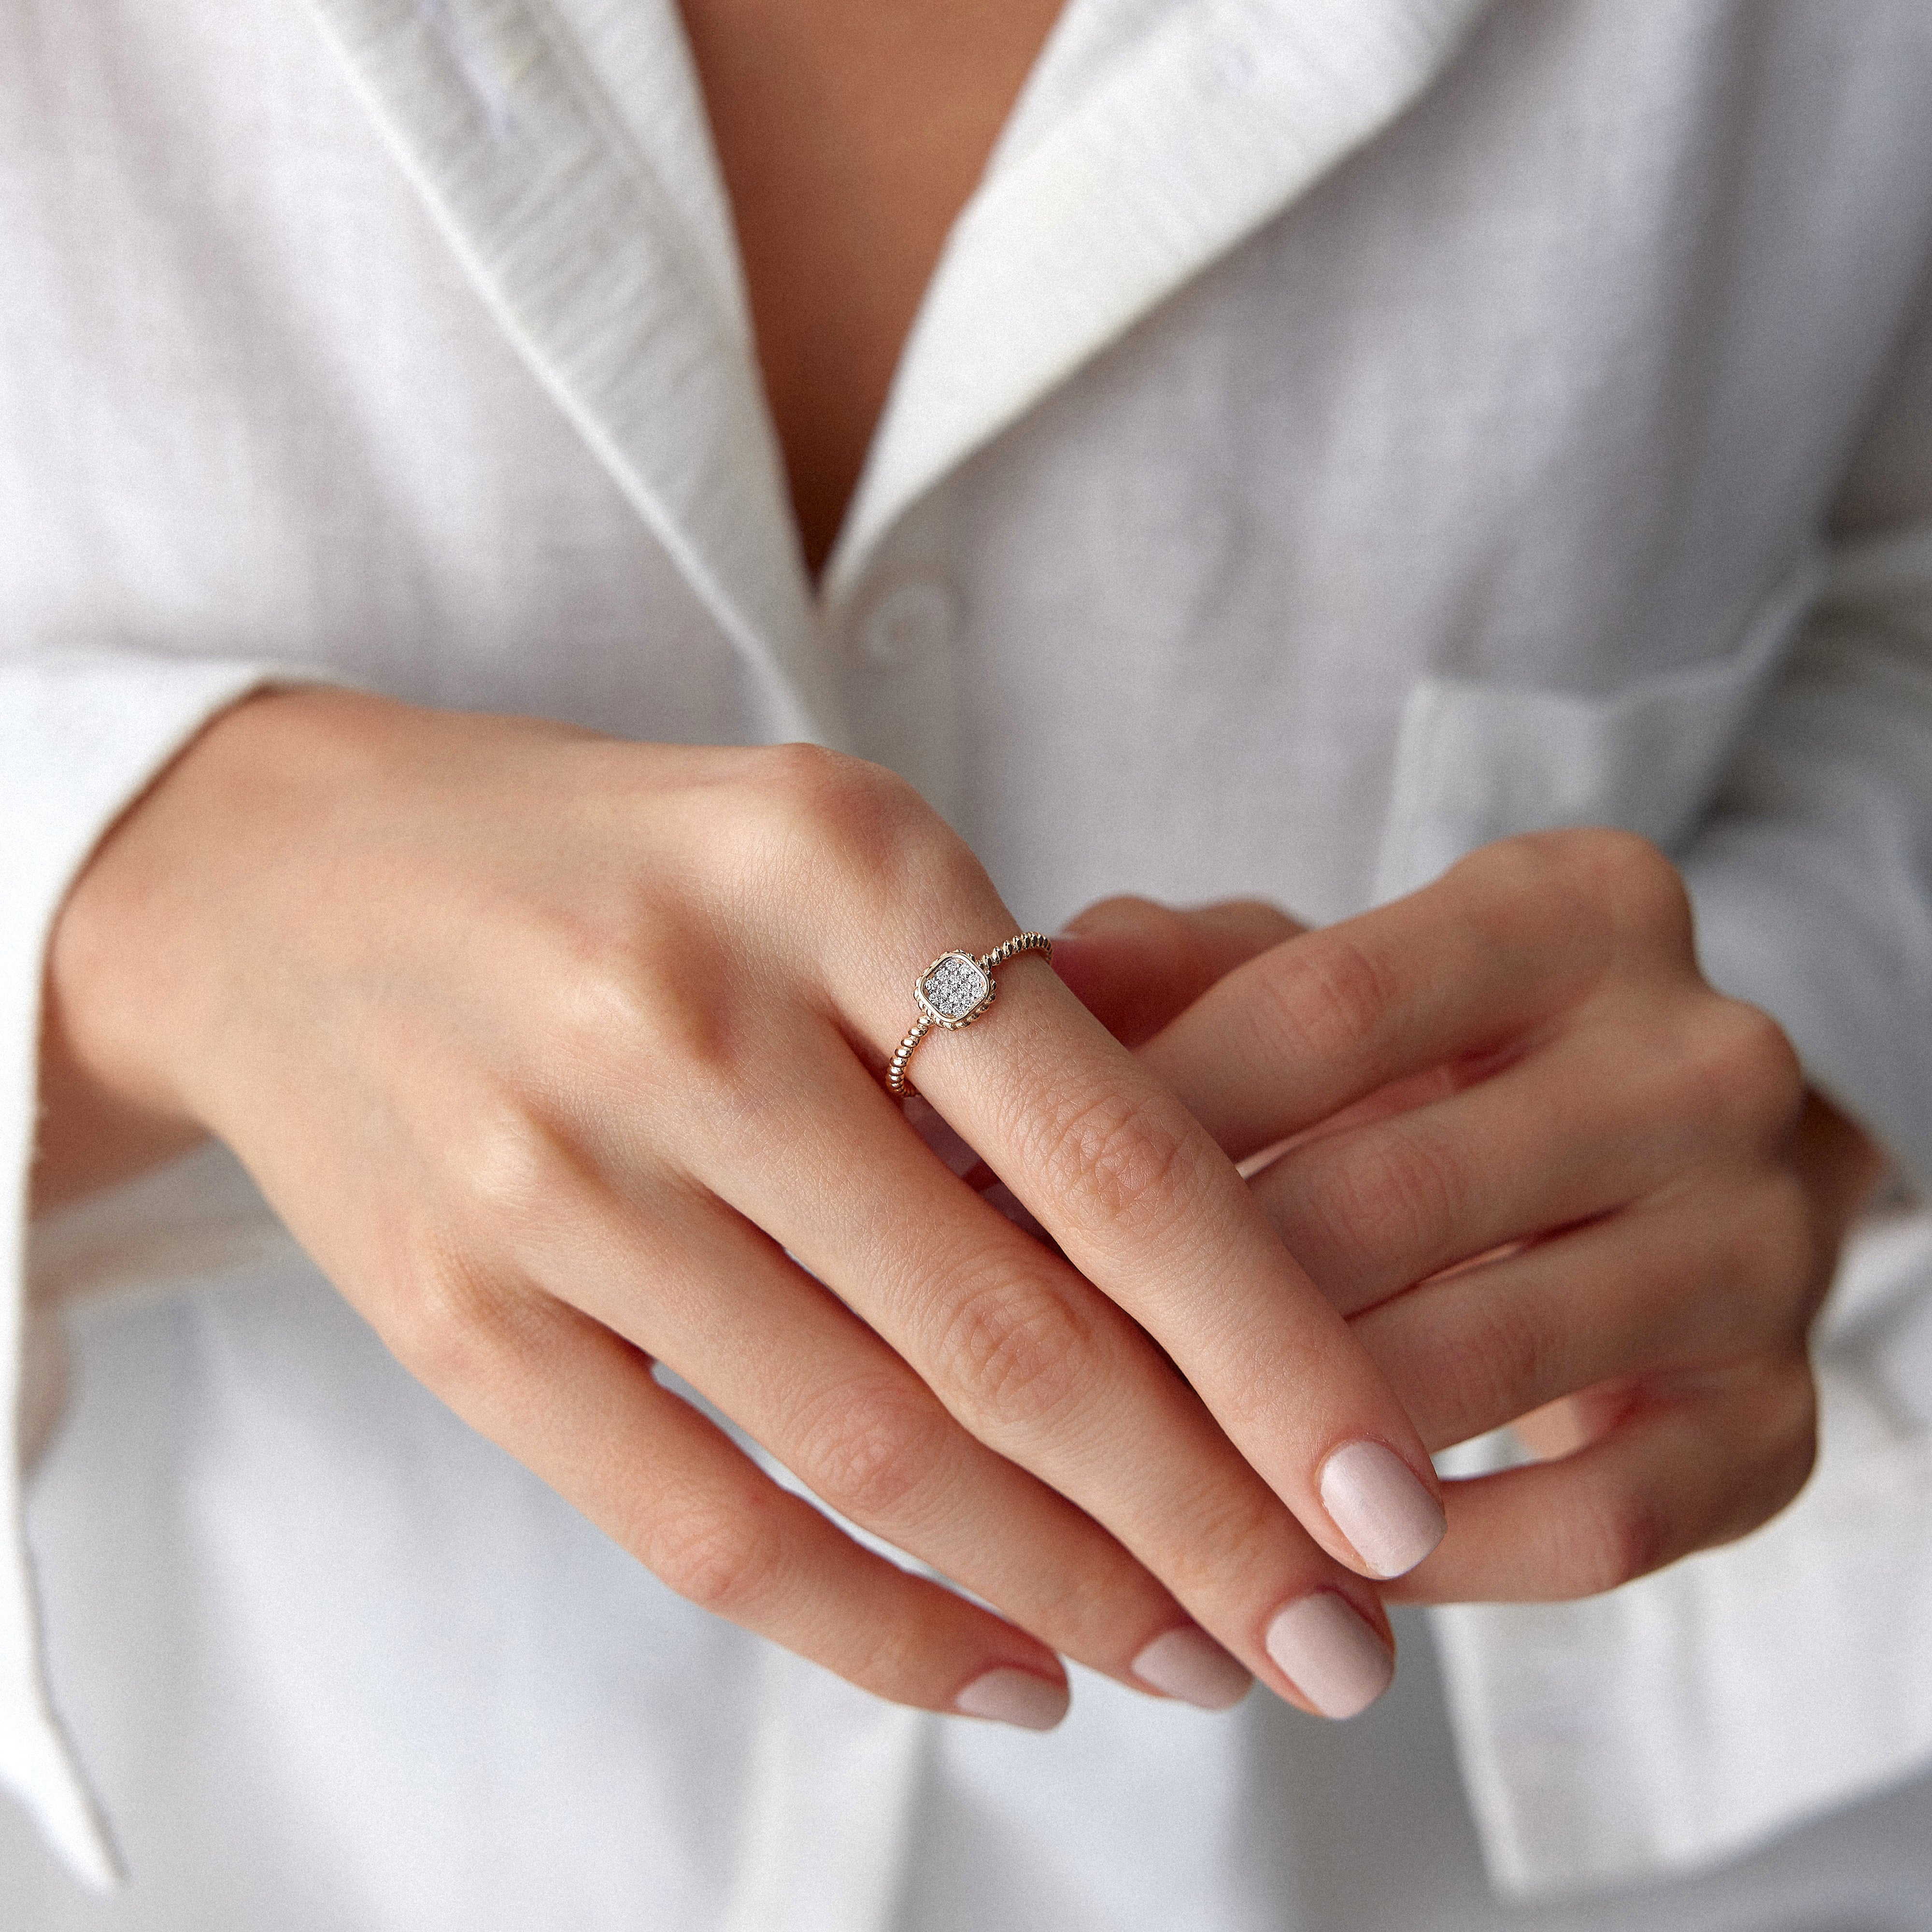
<point x="954" y="990"/>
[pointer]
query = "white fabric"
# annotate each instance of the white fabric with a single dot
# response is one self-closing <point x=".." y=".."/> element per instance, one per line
<point x="95" y="731"/>
<point x="1337" y="433"/>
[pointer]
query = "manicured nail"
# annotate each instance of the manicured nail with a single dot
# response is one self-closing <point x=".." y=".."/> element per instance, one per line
<point x="1374" y="1498"/>
<point x="1188" y="1664"/>
<point x="1333" y="1657"/>
<point x="1015" y="1697"/>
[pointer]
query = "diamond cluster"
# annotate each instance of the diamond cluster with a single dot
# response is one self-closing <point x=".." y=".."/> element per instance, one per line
<point x="954" y="987"/>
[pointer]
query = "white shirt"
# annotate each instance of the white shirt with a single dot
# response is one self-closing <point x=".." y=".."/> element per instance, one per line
<point x="1338" y="432"/>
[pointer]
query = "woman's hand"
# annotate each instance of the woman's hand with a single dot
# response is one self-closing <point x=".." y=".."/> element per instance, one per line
<point x="561" y="1055"/>
<point x="1522" y="1062"/>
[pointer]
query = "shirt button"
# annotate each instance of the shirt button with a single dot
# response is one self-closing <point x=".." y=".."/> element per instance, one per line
<point x="908" y="621"/>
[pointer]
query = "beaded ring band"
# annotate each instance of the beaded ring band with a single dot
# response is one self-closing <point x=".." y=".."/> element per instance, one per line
<point x="954" y="990"/>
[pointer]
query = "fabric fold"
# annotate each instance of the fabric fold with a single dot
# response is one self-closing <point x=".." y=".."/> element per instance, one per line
<point x="1215" y="120"/>
<point x="572" y="237"/>
<point x="81" y="737"/>
<point x="1805" y="817"/>
<point x="1655" y="1730"/>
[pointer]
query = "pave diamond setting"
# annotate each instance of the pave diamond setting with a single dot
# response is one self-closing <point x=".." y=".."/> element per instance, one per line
<point x="954" y="989"/>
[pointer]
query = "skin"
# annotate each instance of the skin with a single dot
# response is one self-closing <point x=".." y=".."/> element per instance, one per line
<point x="1553" y="1179"/>
<point x="850" y="133"/>
<point x="551" y="1048"/>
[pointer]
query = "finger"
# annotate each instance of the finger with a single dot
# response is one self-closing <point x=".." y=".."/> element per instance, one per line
<point x="1506" y="941"/>
<point x="1121" y="1176"/>
<point x="1037" y="1364"/>
<point x="1150" y="1211"/>
<point x="1135" y="964"/>
<point x="1840" y="1164"/>
<point x="1686" y="1472"/>
<point x="1623" y="1105"/>
<point x="1710" y="1278"/>
<point x="818" y="1389"/>
<point x="580" y="1408"/>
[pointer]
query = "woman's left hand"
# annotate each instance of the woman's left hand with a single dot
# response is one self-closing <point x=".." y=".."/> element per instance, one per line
<point x="1554" y="1179"/>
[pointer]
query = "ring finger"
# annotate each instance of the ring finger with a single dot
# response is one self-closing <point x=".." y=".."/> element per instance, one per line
<point x="1485" y="1346"/>
<point x="1049" y="1373"/>
<point x="819" y="1390"/>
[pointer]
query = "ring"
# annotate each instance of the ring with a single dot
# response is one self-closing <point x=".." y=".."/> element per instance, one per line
<point x="954" y="990"/>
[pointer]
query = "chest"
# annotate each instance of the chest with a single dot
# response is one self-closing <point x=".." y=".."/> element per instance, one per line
<point x="1502" y="398"/>
<point x="850" y="133"/>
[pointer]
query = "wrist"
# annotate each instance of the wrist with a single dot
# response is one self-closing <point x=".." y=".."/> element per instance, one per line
<point x="131" y="971"/>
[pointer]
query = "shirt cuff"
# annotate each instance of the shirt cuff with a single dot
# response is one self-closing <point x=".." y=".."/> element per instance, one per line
<point x="1810" y="884"/>
<point x="1689" y="1717"/>
<point x="1692" y="1716"/>
<point x="81" y="736"/>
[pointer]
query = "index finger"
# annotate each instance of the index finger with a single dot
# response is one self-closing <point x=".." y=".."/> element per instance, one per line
<point x="1511" y="937"/>
<point x="1146" y="1207"/>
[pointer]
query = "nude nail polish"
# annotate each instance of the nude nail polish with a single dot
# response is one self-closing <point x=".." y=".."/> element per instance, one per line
<point x="1330" y="1654"/>
<point x="1015" y="1697"/>
<point x="1188" y="1664"/>
<point x="1375" y="1500"/>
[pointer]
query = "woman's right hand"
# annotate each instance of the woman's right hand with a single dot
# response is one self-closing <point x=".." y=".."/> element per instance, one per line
<point x="561" y="1055"/>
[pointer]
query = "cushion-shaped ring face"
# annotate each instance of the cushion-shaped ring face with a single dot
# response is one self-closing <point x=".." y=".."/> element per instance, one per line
<point x="954" y="989"/>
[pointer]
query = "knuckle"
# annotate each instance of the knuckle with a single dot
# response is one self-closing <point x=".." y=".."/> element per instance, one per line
<point x="1786" y="1474"/>
<point x="1123" y="911"/>
<point x="1765" y="1262"/>
<point x="1595" y="880"/>
<point x="449" y="1324"/>
<point x="1505" y="1356"/>
<point x="601" y="993"/>
<point x="1753" y="1072"/>
<point x="1775" y="1430"/>
<point x="1015" y="1351"/>
<point x="504" y="1165"/>
<point x="1790" y="1429"/>
<point x="1117" y="1160"/>
<point x="688" y="1040"/>
<point x="1221" y="1515"/>
<point x="1165" y="939"/>
<point x="1724" y="1074"/>
<point x="826" y="823"/>
<point x="799" y="780"/>
<point x="1324" y="995"/>
<point x="1635" y="879"/>
<point x="871" y="1447"/>
<point x="1625" y="1536"/>
<point x="1396" y="1194"/>
<point x="846" y="804"/>
<point x="624" y="981"/>
<point x="725" y="1561"/>
<point x="1791" y="1467"/>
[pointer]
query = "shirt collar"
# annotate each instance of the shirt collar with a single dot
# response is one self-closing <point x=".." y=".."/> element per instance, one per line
<point x="561" y="145"/>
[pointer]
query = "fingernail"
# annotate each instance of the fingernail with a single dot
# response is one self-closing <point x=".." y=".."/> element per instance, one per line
<point x="1188" y="1664"/>
<point x="1373" y="1498"/>
<point x="1332" y="1657"/>
<point x="1015" y="1697"/>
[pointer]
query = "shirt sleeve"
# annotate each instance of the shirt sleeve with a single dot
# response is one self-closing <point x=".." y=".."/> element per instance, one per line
<point x="1813" y="879"/>
<point x="81" y="737"/>
<point x="1695" y="1714"/>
